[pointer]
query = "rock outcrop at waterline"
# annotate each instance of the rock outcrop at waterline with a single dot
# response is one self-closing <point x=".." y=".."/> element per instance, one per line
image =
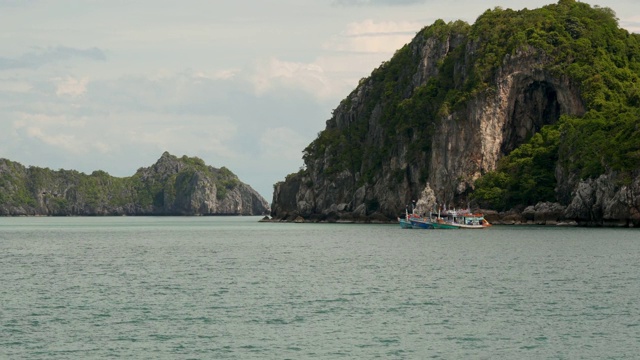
<point x="446" y="109"/>
<point x="605" y="201"/>
<point x="172" y="186"/>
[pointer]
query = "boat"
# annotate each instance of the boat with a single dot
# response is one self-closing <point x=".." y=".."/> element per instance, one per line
<point x="404" y="223"/>
<point x="448" y="219"/>
<point x="442" y="224"/>
<point x="473" y="221"/>
<point x="421" y="223"/>
<point x="460" y="220"/>
<point x="414" y="221"/>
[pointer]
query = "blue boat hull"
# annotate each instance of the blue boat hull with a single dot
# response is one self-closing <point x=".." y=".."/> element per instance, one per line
<point x="421" y="224"/>
<point x="404" y="224"/>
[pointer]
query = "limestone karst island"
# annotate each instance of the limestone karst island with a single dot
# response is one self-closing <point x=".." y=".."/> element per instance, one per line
<point x="171" y="186"/>
<point x="534" y="114"/>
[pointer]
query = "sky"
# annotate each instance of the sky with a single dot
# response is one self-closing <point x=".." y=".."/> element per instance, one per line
<point x="112" y="84"/>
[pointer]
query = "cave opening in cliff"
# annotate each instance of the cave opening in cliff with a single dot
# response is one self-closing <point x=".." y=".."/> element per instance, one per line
<point x="535" y="105"/>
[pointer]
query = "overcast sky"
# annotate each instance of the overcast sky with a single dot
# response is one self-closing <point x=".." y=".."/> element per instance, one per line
<point x="112" y="84"/>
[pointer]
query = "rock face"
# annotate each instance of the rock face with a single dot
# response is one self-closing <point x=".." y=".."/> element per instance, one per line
<point x="544" y="213"/>
<point x="609" y="200"/>
<point x="469" y="143"/>
<point x="523" y="95"/>
<point x="172" y="186"/>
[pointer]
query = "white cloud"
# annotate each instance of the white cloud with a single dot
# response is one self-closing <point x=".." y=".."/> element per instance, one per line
<point x="105" y="134"/>
<point x="353" y="54"/>
<point x="54" y="131"/>
<point x="11" y="3"/>
<point x="377" y="2"/>
<point x="631" y="23"/>
<point x="71" y="86"/>
<point x="369" y="36"/>
<point x="225" y="74"/>
<point x="102" y="147"/>
<point x="64" y="141"/>
<point x="15" y="86"/>
<point x="369" y="27"/>
<point x="27" y="120"/>
<point x="282" y="143"/>
<point x="182" y="134"/>
<point x="39" y="57"/>
<point x="274" y="73"/>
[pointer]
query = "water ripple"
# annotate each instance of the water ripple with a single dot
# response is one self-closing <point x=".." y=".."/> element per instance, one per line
<point x="231" y="288"/>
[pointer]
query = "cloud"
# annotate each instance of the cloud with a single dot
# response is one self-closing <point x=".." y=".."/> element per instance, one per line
<point x="632" y="24"/>
<point x="349" y="56"/>
<point x="65" y="141"/>
<point x="41" y="57"/>
<point x="16" y="3"/>
<point x="71" y="86"/>
<point x="194" y="133"/>
<point x="15" y="86"/>
<point x="222" y="74"/>
<point x="282" y="143"/>
<point x="187" y="92"/>
<point x="373" y="37"/>
<point x="79" y="137"/>
<point x="377" y="2"/>
<point x="274" y="73"/>
<point x="54" y="131"/>
<point x="372" y="28"/>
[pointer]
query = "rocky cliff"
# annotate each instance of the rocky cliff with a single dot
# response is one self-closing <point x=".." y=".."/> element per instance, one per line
<point x="450" y="105"/>
<point x="172" y="186"/>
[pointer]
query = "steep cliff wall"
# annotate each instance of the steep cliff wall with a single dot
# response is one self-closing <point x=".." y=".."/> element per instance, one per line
<point x="172" y="186"/>
<point x="447" y="108"/>
<point x="524" y="97"/>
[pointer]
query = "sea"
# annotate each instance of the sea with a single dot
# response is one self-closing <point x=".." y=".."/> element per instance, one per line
<point x="236" y="288"/>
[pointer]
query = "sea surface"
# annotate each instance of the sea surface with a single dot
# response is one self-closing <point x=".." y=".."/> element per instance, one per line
<point x="234" y="288"/>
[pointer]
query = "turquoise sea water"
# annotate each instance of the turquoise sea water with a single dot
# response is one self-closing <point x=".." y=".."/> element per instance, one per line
<point x="233" y="288"/>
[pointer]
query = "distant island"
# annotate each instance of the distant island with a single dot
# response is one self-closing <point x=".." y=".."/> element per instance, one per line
<point x="171" y="186"/>
<point x="534" y="114"/>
